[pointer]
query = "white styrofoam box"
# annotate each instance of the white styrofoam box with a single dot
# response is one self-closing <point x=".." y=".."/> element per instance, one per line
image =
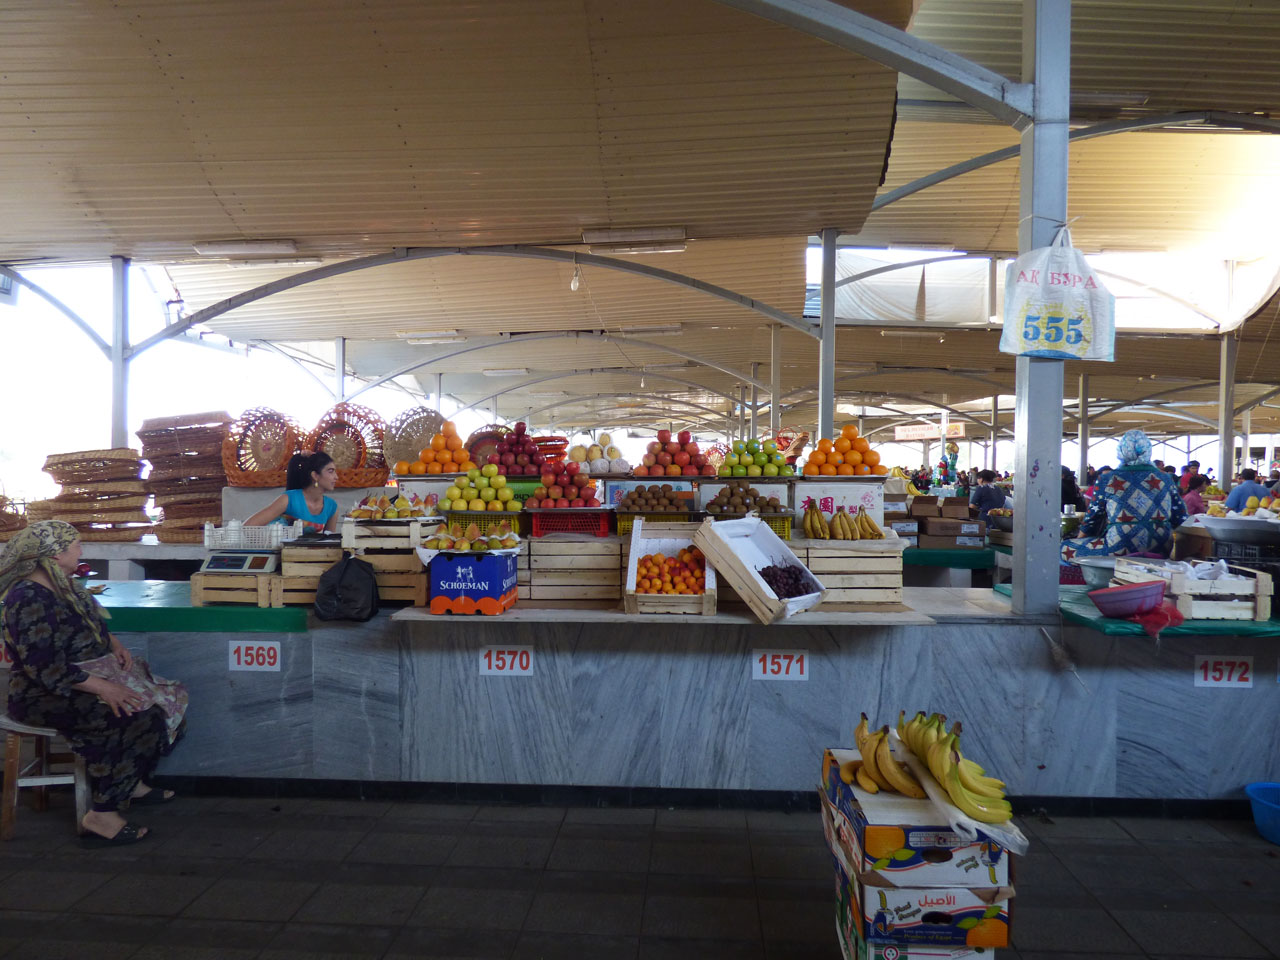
<point x="768" y="487"/>
<point x="850" y="493"/>
<point x="429" y="489"/>
<point x="616" y="489"/>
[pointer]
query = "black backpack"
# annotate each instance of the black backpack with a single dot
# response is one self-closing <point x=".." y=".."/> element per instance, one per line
<point x="347" y="591"/>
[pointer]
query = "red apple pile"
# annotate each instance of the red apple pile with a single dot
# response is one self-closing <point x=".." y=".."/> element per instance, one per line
<point x="560" y="491"/>
<point x="518" y="455"/>
<point x="680" y="457"/>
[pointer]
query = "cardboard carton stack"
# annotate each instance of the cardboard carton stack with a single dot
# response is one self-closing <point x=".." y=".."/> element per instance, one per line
<point x="187" y="475"/>
<point x="945" y="533"/>
<point x="906" y="884"/>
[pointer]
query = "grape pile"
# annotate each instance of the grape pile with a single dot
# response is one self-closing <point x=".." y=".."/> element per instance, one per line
<point x="787" y="582"/>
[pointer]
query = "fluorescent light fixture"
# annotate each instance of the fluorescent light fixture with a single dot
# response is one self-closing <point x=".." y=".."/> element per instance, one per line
<point x="668" y="366"/>
<point x="427" y="334"/>
<point x="431" y="340"/>
<point x="623" y="249"/>
<point x="506" y="372"/>
<point x="665" y="330"/>
<point x="930" y="247"/>
<point x="633" y="235"/>
<point x="909" y="333"/>
<point x="273" y="262"/>
<point x="547" y="394"/>
<point x="242" y="248"/>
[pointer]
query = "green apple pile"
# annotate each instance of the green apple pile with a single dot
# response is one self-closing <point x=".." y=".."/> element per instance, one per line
<point x="484" y="489"/>
<point x="752" y="458"/>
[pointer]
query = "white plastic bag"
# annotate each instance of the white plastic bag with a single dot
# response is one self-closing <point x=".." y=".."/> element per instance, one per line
<point x="1055" y="306"/>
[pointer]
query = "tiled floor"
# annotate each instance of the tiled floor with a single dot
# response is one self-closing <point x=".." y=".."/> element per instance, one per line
<point x="239" y="878"/>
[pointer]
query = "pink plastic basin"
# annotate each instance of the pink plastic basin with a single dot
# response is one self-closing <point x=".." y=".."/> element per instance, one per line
<point x="1128" y="600"/>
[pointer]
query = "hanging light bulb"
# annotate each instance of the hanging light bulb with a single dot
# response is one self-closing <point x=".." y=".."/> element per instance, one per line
<point x="642" y="381"/>
<point x="577" y="278"/>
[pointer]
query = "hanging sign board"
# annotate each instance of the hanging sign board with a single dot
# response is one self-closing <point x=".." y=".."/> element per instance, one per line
<point x="928" y="431"/>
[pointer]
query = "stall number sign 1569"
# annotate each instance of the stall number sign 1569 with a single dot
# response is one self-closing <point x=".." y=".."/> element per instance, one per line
<point x="253" y="655"/>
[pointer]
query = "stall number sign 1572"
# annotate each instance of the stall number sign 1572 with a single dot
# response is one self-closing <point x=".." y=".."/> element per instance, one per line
<point x="253" y="655"/>
<point x="1235" y="672"/>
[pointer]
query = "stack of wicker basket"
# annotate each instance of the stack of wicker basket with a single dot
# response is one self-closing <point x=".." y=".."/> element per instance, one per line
<point x="186" y="476"/>
<point x="11" y="518"/>
<point x="102" y="494"/>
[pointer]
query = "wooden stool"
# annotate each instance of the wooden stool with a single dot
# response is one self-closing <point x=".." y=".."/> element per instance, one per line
<point x="36" y="774"/>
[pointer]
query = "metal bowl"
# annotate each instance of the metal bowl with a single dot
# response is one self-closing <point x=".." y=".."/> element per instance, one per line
<point x="1242" y="529"/>
<point x="1097" y="571"/>
<point x="1000" y="522"/>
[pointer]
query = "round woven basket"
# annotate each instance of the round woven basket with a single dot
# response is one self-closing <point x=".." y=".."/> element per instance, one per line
<point x="485" y="441"/>
<point x="257" y="449"/>
<point x="409" y="433"/>
<point x="352" y="435"/>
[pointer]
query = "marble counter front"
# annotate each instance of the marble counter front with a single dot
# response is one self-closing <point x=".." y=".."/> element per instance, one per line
<point x="670" y="703"/>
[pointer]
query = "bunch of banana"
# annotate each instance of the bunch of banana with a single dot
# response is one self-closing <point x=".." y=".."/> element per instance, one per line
<point x="878" y="766"/>
<point x="815" y="524"/>
<point x="977" y="795"/>
<point x="843" y="526"/>
<point x="902" y="475"/>
<point x="867" y="527"/>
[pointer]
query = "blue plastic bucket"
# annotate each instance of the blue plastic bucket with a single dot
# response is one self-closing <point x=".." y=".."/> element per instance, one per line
<point x="1265" y="798"/>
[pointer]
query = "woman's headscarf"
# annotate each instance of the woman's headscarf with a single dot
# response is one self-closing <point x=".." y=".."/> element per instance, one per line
<point x="34" y="549"/>
<point x="1134" y="448"/>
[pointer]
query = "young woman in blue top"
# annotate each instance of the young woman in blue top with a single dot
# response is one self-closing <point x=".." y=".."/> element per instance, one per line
<point x="309" y="478"/>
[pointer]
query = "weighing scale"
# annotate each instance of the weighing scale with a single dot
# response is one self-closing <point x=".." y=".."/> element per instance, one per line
<point x="241" y="561"/>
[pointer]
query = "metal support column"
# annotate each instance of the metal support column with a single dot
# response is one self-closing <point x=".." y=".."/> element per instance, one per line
<point x="1083" y="413"/>
<point x="438" y="397"/>
<point x="340" y="368"/>
<point x="827" y="343"/>
<point x="1246" y="438"/>
<point x="742" y="412"/>
<point x="775" y="379"/>
<point x="755" y="399"/>
<point x="120" y="352"/>
<point x="1226" y="411"/>
<point x="995" y="428"/>
<point x="1046" y="62"/>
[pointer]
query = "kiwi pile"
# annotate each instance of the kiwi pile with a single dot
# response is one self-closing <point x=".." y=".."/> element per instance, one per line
<point x="653" y="499"/>
<point x="738" y="498"/>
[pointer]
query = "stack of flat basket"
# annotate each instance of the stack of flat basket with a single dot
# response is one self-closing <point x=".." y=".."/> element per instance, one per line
<point x="102" y="494"/>
<point x="187" y="475"/>
<point x="11" y="519"/>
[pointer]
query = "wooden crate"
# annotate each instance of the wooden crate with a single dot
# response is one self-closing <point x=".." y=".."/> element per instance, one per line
<point x="313" y="561"/>
<point x="411" y="587"/>
<point x="253" y="589"/>
<point x="388" y="535"/>
<point x="854" y="571"/>
<point x="582" y="568"/>
<point x="1247" y="599"/>
<point x="664" y="538"/>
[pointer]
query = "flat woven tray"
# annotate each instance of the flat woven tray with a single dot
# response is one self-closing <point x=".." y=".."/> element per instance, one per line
<point x="101" y="516"/>
<point x="213" y="497"/>
<point x="129" y="501"/>
<point x="103" y="534"/>
<point x="111" y="488"/>
<point x="167" y="534"/>
<point x="196" y="508"/>
<point x="190" y="488"/>
<point x="192" y="523"/>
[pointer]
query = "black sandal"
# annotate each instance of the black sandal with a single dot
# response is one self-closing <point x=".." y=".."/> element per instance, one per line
<point x="153" y="798"/>
<point x="124" y="836"/>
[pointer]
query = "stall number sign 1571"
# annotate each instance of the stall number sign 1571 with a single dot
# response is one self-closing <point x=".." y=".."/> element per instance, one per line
<point x="779" y="664"/>
<point x="254" y="655"/>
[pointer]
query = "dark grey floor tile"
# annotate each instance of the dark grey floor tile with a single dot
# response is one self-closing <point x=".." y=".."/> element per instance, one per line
<point x="472" y="908"/>
<point x="788" y="838"/>
<point x="488" y="878"/>
<point x="268" y="808"/>
<point x="1188" y="934"/>
<point x="1095" y="870"/>
<point x="1255" y="873"/>
<point x="424" y="849"/>
<point x="453" y="812"/>
<point x="674" y="948"/>
<point x="201" y="840"/>
<point x="517" y="814"/>
<point x="380" y="874"/>
<point x="1176" y="851"/>
<point x="702" y="819"/>
<point x="706" y="885"/>
<point x="775" y="820"/>
<point x="722" y="859"/>
<point x="113" y="929"/>
<point x="583" y="853"/>
<point x="1035" y="955"/>
<point x="798" y="921"/>
<point x="299" y="941"/>
<point x="608" y="831"/>
<point x="612" y="816"/>
<point x="714" y="918"/>
<point x="291" y="844"/>
<point x="1263" y="927"/>
<point x="73" y="950"/>
<point x="776" y="860"/>
<point x="49" y="890"/>
<point x="1164" y="830"/>
<point x="591" y="881"/>
<point x="1157" y="896"/>
<point x="1089" y="828"/>
<point x="1241" y="831"/>
<point x="521" y="853"/>
<point x="369" y="809"/>
<point x="425" y="943"/>
<point x="509" y="828"/>
<point x="615" y="914"/>
<point x="7" y="944"/>
<point x="560" y="946"/>
<point x="142" y="894"/>
<point x="220" y="934"/>
<point x="1049" y="929"/>
<point x="796" y="888"/>
<point x="153" y="951"/>
<point x="352" y="903"/>
<point x="827" y="949"/>
<point x="1042" y="869"/>
<point x="244" y="899"/>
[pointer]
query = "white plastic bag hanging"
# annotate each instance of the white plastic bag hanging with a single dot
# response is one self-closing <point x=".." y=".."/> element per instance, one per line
<point x="1055" y="306"/>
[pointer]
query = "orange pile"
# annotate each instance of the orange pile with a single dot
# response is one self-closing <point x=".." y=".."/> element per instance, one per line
<point x="849" y="455"/>
<point x="443" y="455"/>
<point x="685" y="573"/>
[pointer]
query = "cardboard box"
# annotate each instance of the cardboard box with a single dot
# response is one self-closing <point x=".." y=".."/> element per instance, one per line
<point x="925" y="506"/>
<point x="911" y="542"/>
<point x="904" y="527"/>
<point x="955" y="507"/>
<point x="853" y="947"/>
<point x="951" y="543"/>
<point x="949" y="527"/>
<point x="903" y="842"/>
<point x="891" y="516"/>
<point x="738" y="549"/>
<point x="469" y="583"/>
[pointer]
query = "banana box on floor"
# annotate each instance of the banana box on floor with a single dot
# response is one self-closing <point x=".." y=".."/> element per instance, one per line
<point x="946" y="922"/>
<point x="898" y="841"/>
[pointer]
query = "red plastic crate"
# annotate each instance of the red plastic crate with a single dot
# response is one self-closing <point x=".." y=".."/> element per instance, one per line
<point x="569" y="521"/>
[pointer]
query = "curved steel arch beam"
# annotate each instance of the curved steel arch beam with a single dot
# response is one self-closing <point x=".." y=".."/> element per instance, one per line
<point x="1261" y="401"/>
<point x="296" y="361"/>
<point x="1162" y="411"/>
<point x="559" y="376"/>
<point x="405" y="254"/>
<point x="890" y="267"/>
<point x="587" y="397"/>
<point x="650" y="374"/>
<point x="1162" y="293"/>
<point x="898" y="371"/>
<point x="58" y="305"/>
<point x="1094" y="414"/>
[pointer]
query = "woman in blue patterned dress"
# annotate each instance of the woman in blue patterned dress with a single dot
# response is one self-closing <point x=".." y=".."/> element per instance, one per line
<point x="51" y="627"/>
<point x="1136" y="509"/>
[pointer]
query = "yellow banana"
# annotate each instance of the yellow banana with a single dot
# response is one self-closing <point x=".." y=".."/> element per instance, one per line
<point x="869" y="746"/>
<point x="913" y="731"/>
<point x="807" y="522"/>
<point x="982" y="809"/>
<point x="860" y="732"/>
<point x="823" y="525"/>
<point x="902" y="725"/>
<point x="837" y="527"/>
<point x="849" y="525"/>
<point x="876" y="532"/>
<point x="929" y="735"/>
<point x="864" y="781"/>
<point x="977" y="784"/>
<point x="848" y="769"/>
<point x="897" y="776"/>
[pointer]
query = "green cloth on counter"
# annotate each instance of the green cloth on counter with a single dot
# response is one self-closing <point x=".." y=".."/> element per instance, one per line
<point x="959" y="559"/>
<point x="1000" y="548"/>
<point x="154" y="606"/>
<point x="1076" y="607"/>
